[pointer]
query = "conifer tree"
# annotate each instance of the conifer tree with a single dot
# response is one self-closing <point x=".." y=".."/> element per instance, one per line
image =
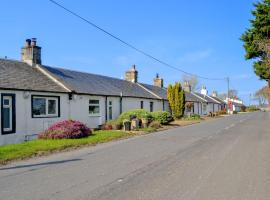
<point x="176" y="97"/>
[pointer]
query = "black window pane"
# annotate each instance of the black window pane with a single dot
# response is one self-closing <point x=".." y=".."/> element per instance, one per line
<point x="51" y="107"/>
<point x="93" y="109"/>
<point x="39" y="106"/>
<point x="93" y="101"/>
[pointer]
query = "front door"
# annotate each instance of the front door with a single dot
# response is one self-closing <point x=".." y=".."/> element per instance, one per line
<point x="8" y="113"/>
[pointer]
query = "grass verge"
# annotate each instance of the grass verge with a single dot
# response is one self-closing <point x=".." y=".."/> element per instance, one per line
<point x="42" y="147"/>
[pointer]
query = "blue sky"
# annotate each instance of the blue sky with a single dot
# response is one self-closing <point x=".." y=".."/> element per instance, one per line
<point x="201" y="37"/>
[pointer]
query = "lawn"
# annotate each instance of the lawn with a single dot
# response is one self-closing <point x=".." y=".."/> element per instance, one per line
<point x="41" y="147"/>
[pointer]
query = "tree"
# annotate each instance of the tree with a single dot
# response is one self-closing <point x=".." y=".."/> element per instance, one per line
<point x="263" y="95"/>
<point x="232" y="94"/>
<point x="257" y="40"/>
<point x="193" y="82"/>
<point x="176" y="97"/>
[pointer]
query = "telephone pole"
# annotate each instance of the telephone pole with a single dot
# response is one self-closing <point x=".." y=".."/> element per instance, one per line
<point x="228" y="93"/>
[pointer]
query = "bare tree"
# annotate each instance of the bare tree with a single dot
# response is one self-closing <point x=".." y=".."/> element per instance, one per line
<point x="193" y="81"/>
<point x="263" y="95"/>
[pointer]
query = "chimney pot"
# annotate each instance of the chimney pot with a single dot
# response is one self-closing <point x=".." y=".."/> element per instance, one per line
<point x="31" y="53"/>
<point x="34" y="42"/>
<point x="27" y="42"/>
<point x="158" y="81"/>
<point x="132" y="74"/>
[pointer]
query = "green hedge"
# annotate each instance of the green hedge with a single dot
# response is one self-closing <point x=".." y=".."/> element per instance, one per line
<point x="162" y="117"/>
<point x="137" y="113"/>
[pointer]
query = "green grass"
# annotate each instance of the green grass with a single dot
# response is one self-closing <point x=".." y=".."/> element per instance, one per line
<point x="39" y="147"/>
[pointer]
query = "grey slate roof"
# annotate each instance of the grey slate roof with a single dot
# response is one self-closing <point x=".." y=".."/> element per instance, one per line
<point x="219" y="100"/>
<point x="192" y="98"/>
<point x="87" y="83"/>
<point x="207" y="99"/>
<point x="161" y="92"/>
<point x="19" y="75"/>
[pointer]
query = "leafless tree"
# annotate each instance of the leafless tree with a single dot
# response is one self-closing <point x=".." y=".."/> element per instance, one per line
<point x="193" y="81"/>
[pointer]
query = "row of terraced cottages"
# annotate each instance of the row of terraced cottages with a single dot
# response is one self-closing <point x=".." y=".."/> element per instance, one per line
<point x="34" y="96"/>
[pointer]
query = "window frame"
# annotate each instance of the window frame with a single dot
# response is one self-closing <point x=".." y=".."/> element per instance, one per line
<point x="47" y="98"/>
<point x="94" y="104"/>
<point x="12" y="114"/>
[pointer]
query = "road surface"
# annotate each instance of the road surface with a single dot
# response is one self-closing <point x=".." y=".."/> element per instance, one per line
<point x="223" y="159"/>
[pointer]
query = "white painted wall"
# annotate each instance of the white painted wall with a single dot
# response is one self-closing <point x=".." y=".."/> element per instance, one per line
<point x="77" y="109"/>
<point x="25" y="124"/>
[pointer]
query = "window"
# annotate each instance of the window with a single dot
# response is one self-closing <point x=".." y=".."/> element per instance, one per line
<point x="43" y="106"/>
<point x="141" y="104"/>
<point x="151" y="106"/>
<point x="8" y="114"/>
<point x="94" y="108"/>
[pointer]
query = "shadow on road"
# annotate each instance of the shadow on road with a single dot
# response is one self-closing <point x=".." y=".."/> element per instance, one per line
<point x="41" y="164"/>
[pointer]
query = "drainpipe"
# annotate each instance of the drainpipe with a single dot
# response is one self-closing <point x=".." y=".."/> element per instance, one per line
<point x="121" y="100"/>
<point x="163" y="105"/>
<point x="106" y="110"/>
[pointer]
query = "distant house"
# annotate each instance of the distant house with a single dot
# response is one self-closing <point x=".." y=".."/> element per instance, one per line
<point x="203" y="103"/>
<point x="34" y="96"/>
<point x="235" y="104"/>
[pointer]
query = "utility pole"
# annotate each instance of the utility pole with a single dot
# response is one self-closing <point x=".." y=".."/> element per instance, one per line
<point x="228" y="93"/>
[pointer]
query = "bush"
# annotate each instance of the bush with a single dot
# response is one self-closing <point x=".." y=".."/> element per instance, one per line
<point x="222" y="112"/>
<point x="67" y="129"/>
<point x="162" y="117"/>
<point x="137" y="113"/>
<point x="113" y="124"/>
<point x="155" y="124"/>
<point x="252" y="109"/>
<point x="193" y="117"/>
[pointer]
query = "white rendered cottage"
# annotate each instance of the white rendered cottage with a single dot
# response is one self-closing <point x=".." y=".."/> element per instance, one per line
<point x="34" y="96"/>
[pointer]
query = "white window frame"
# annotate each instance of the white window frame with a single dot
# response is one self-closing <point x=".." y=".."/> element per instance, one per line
<point x="47" y="115"/>
<point x="94" y="104"/>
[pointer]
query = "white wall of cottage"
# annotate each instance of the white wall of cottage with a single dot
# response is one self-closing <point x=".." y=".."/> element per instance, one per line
<point x="76" y="109"/>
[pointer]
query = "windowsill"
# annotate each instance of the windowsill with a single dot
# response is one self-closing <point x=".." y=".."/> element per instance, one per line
<point x="94" y="115"/>
<point x="46" y="116"/>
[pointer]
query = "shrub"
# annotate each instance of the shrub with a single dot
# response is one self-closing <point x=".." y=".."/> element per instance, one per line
<point x="162" y="117"/>
<point x="155" y="124"/>
<point x="193" y="117"/>
<point x="67" y="129"/>
<point x="113" y="124"/>
<point x="222" y="112"/>
<point x="252" y="109"/>
<point x="137" y="113"/>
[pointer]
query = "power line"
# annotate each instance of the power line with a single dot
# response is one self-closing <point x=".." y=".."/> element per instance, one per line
<point x="130" y="45"/>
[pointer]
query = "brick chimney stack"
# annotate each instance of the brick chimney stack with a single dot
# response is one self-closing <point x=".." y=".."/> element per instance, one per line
<point x="132" y="75"/>
<point x="187" y="86"/>
<point x="214" y="94"/>
<point x="31" y="53"/>
<point x="158" y="81"/>
<point x="204" y="91"/>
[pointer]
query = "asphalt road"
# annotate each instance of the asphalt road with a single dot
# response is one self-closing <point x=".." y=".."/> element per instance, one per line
<point x="223" y="159"/>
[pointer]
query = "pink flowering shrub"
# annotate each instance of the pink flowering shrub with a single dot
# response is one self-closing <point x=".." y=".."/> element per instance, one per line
<point x="67" y="129"/>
